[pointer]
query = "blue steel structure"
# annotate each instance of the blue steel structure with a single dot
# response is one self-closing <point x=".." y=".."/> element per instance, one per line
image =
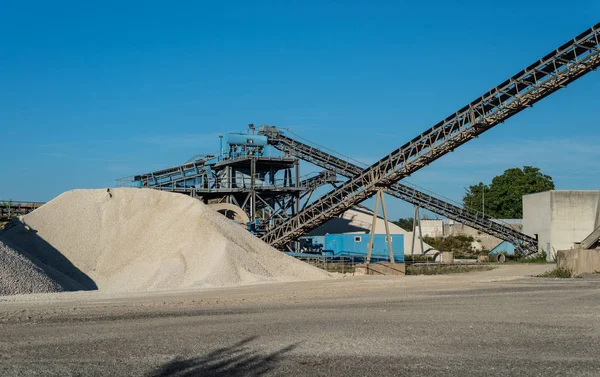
<point x="267" y="190"/>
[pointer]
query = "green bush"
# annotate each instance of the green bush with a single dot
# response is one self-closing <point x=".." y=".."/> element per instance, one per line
<point x="459" y="244"/>
<point x="536" y="258"/>
<point x="418" y="258"/>
<point x="558" y="272"/>
<point x="442" y="269"/>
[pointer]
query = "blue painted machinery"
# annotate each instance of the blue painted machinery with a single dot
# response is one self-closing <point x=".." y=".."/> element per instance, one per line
<point x="243" y="181"/>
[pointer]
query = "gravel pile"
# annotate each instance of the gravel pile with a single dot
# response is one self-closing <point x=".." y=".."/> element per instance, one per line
<point x="22" y="274"/>
<point x="142" y="239"/>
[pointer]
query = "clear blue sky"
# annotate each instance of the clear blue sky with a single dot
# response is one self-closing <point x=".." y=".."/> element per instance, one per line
<point x="90" y="93"/>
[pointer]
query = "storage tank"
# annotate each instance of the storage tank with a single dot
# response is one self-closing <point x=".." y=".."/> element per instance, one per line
<point x="245" y="139"/>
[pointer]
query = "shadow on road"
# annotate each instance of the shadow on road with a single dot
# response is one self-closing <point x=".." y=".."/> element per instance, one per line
<point x="237" y="360"/>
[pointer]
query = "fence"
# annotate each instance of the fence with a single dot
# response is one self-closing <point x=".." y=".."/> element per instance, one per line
<point x="342" y="264"/>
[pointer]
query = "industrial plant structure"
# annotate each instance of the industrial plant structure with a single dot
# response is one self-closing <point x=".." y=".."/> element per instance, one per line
<point x="244" y="181"/>
<point x="248" y="182"/>
<point x="268" y="189"/>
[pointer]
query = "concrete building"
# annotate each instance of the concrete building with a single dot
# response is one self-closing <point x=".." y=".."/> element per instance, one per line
<point x="447" y="227"/>
<point x="432" y="228"/>
<point x="561" y="218"/>
<point x="358" y="220"/>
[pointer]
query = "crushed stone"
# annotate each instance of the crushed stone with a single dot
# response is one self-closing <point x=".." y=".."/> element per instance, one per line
<point x="22" y="274"/>
<point x="130" y="239"/>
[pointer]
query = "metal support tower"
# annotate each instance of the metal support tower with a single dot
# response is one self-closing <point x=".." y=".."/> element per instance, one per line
<point x="552" y="72"/>
<point x="388" y="236"/>
<point x="416" y="224"/>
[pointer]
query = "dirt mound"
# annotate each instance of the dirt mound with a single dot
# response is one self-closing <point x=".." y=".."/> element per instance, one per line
<point x="142" y="239"/>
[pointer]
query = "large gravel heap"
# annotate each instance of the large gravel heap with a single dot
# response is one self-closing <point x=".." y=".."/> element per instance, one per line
<point x="138" y="239"/>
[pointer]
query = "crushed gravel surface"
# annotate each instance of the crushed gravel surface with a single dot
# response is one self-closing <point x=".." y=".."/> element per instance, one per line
<point x="21" y="274"/>
<point x="490" y="323"/>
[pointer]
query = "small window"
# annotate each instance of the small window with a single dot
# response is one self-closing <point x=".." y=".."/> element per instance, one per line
<point x="358" y="239"/>
<point x="391" y="239"/>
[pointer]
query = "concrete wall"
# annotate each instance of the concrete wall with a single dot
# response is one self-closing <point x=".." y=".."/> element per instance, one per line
<point x="560" y="218"/>
<point x="445" y="228"/>
<point x="432" y="228"/>
<point x="537" y="217"/>
<point x="573" y="216"/>
<point x="579" y="261"/>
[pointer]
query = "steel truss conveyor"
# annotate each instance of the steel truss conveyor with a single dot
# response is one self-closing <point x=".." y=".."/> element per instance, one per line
<point x="345" y="168"/>
<point x="554" y="71"/>
<point x="171" y="178"/>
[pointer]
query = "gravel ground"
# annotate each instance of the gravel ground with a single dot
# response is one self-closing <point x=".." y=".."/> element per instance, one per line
<point x="493" y="323"/>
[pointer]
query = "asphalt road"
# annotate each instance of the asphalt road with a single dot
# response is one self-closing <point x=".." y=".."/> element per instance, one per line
<point x="477" y="324"/>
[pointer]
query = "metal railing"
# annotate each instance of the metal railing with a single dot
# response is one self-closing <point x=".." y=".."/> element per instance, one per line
<point x="342" y="264"/>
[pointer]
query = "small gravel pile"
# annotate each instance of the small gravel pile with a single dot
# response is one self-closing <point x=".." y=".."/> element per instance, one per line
<point x="22" y="274"/>
<point x="143" y="239"/>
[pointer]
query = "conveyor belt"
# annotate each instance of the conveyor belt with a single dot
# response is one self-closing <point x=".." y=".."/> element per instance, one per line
<point x="593" y="240"/>
<point x="317" y="156"/>
<point x="174" y="176"/>
<point x="547" y="75"/>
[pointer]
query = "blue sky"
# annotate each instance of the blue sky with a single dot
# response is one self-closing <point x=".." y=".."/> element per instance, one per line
<point x="94" y="92"/>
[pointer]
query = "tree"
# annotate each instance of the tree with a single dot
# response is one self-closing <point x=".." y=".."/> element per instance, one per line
<point x="503" y="197"/>
<point x="406" y="224"/>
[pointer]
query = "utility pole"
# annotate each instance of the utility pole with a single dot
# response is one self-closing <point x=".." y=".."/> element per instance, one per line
<point x="483" y="199"/>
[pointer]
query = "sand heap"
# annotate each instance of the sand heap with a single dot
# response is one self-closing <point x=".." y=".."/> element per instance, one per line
<point x="142" y="239"/>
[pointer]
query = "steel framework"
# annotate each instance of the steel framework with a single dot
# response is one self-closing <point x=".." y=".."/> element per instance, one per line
<point x="9" y="208"/>
<point x="171" y="179"/>
<point x="237" y="181"/>
<point x="409" y="194"/>
<point x="554" y="71"/>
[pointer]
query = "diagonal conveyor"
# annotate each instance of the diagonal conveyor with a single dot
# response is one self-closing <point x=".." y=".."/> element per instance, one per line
<point x="592" y="240"/>
<point x="554" y="71"/>
<point x="318" y="157"/>
<point x="171" y="177"/>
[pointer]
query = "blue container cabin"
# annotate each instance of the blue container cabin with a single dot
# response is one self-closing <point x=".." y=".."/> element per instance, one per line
<point x="504" y="247"/>
<point x="355" y="245"/>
